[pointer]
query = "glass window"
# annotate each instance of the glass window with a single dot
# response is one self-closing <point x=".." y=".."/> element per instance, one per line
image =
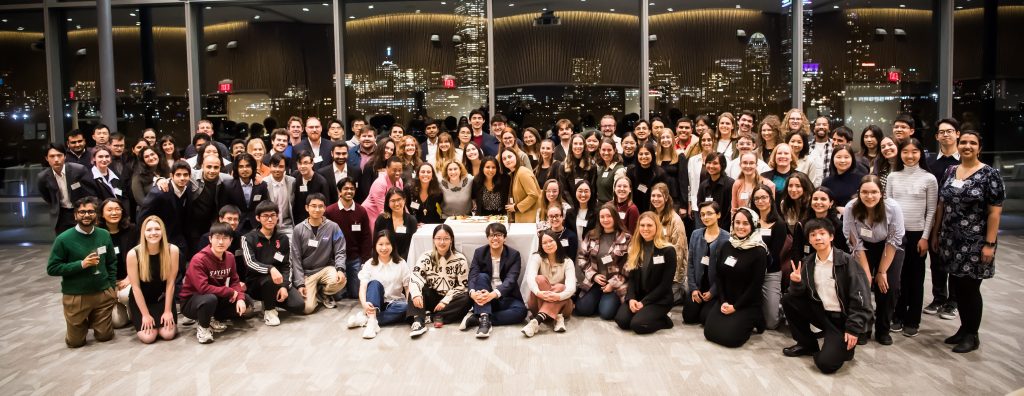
<point x="81" y="70"/>
<point x="24" y="111"/>
<point x="572" y="60"/>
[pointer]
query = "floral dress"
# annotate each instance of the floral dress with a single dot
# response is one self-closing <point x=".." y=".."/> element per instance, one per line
<point x="965" y="220"/>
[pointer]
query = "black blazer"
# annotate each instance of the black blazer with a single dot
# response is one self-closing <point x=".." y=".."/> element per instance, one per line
<point x="653" y="283"/>
<point x="79" y="184"/>
<point x="316" y="185"/>
<point x="511" y="265"/>
<point x="172" y="211"/>
<point x="231" y="194"/>
<point x="325" y="151"/>
<point x="332" y="184"/>
<point x="103" y="191"/>
<point x="570" y="219"/>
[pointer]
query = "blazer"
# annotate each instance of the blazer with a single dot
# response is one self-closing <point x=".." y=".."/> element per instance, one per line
<point x="570" y="220"/>
<point x="79" y="184"/>
<point x="172" y="211"/>
<point x="316" y="185"/>
<point x="699" y="249"/>
<point x="510" y="267"/>
<point x="652" y="284"/>
<point x="490" y="145"/>
<point x="231" y="193"/>
<point x="332" y="184"/>
<point x="326" y="146"/>
<point x="526" y="196"/>
<point x="851" y="288"/>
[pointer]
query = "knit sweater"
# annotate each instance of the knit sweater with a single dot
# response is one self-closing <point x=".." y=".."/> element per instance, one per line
<point x="70" y="248"/>
<point x="448" y="276"/>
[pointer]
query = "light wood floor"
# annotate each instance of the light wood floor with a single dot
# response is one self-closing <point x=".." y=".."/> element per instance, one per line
<point x="317" y="354"/>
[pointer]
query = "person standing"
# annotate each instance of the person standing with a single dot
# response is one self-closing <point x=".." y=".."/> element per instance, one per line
<point x="63" y="184"/>
<point x="84" y="259"/>
<point x="943" y="298"/>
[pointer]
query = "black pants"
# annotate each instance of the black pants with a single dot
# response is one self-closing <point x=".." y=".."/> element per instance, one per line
<point x="694" y="312"/>
<point x="453" y="312"/>
<point x="731" y="331"/>
<point x="911" y="299"/>
<point x="65" y="220"/>
<point x="647" y="320"/>
<point x="801" y="313"/>
<point x="885" y="303"/>
<point x="203" y="307"/>
<point x="263" y="287"/>
<point x="968" y="299"/>
<point x="940" y="279"/>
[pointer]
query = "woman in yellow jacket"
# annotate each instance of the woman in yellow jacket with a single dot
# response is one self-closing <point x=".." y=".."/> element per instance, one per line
<point x="524" y="198"/>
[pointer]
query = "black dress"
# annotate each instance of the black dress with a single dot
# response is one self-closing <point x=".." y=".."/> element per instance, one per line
<point x="426" y="212"/>
<point x="402" y="238"/>
<point x="153" y="293"/>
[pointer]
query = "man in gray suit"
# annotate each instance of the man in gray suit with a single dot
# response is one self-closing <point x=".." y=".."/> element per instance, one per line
<point x="280" y="186"/>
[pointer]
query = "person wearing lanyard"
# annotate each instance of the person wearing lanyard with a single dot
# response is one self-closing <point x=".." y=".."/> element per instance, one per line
<point x="705" y="243"/>
<point x="425" y="197"/>
<point x="649" y="267"/>
<point x="773" y="232"/>
<point x="739" y="274"/>
<point x="829" y="290"/>
<point x="494" y="285"/>
<point x="400" y="224"/>
<point x="600" y="259"/>
<point x="874" y="226"/>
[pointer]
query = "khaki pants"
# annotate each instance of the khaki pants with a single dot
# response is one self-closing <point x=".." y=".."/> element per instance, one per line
<point x="82" y="312"/>
<point x="315" y="281"/>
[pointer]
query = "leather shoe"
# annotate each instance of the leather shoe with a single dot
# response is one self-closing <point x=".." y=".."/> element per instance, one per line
<point x="883" y="338"/>
<point x="969" y="343"/>
<point x="954" y="339"/>
<point x="798" y="350"/>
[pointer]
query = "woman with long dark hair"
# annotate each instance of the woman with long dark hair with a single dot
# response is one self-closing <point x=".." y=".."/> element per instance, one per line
<point x="577" y="165"/>
<point x="869" y="146"/>
<point x="551" y="279"/>
<point x="150" y="168"/>
<point x="439" y="284"/>
<point x="716" y="187"/>
<point x="399" y="224"/>
<point x="644" y="174"/>
<point x="844" y="175"/>
<point x="547" y="166"/>
<point x="114" y="218"/>
<point x="601" y="257"/>
<point x="676" y="174"/>
<point x="773" y="232"/>
<point x="524" y="193"/>
<point x="383" y="285"/>
<point x="425" y="197"/>
<point x="580" y="217"/>
<point x="490" y="189"/>
<point x="884" y="164"/>
<point x="623" y="203"/>
<point x="609" y="166"/>
<point x="705" y="243"/>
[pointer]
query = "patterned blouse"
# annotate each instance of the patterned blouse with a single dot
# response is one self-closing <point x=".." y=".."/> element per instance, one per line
<point x="965" y="220"/>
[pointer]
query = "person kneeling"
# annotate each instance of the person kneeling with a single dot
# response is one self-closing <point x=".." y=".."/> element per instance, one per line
<point x="833" y="298"/>
<point x="494" y="285"/>
<point x="211" y="291"/>
<point x="650" y="268"/>
<point x="266" y="252"/>
<point x="551" y="278"/>
<point x="739" y="274"/>
<point x="383" y="285"/>
<point x="152" y="268"/>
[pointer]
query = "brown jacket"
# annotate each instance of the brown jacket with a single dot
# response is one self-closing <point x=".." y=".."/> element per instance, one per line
<point x="525" y="195"/>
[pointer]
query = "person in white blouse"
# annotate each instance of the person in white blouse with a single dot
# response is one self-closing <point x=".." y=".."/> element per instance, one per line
<point x="383" y="285"/>
<point x="551" y="279"/>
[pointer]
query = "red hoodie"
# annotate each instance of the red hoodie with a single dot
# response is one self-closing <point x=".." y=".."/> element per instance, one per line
<point x="208" y="275"/>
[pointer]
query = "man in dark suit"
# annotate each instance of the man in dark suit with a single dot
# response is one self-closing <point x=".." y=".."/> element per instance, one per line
<point x="340" y="168"/>
<point x="494" y="286"/>
<point x="315" y="145"/>
<point x="487" y="142"/>
<point x="63" y="184"/>
<point x="76" y="150"/>
<point x="205" y="127"/>
<point x="172" y="206"/>
<point x="306" y="182"/>
<point x="428" y="149"/>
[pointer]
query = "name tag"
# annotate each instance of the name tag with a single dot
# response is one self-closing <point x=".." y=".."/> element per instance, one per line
<point x="705" y="260"/>
<point x="565" y="242"/>
<point x="744" y="195"/>
<point x="957" y="183"/>
<point x="278" y="257"/>
<point x="317" y="160"/>
<point x="766" y="232"/>
<point x="606" y="259"/>
<point x="414" y="205"/>
<point x="101" y="250"/>
<point x="357" y="227"/>
<point x="730" y="261"/>
<point x="303" y="189"/>
<point x="622" y="215"/>
<point x="605" y="174"/>
<point x="117" y="191"/>
<point x="807" y="249"/>
<point x="314" y="243"/>
<point x="641" y="188"/>
<point x="866" y="233"/>
<point x="577" y="181"/>
<point x="400" y="230"/>
<point x="117" y="250"/>
<point x="76" y="185"/>
<point x="659" y="260"/>
<point x="257" y="197"/>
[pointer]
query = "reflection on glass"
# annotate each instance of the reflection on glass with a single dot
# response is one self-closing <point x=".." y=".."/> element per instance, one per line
<point x="24" y="124"/>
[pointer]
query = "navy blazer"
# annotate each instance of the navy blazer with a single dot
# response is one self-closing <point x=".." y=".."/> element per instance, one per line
<point x="326" y="146"/>
<point x="79" y="183"/>
<point x="231" y="194"/>
<point x="172" y="211"/>
<point x="490" y="144"/>
<point x="352" y="167"/>
<point x="511" y="266"/>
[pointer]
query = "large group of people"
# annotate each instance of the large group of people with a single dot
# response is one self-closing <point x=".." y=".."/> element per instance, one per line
<point x="748" y="224"/>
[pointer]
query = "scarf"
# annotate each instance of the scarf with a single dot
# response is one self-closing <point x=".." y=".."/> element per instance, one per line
<point x="754" y="238"/>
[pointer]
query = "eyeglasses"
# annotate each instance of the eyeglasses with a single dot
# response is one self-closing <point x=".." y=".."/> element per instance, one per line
<point x="496" y="235"/>
<point x="554" y="216"/>
<point x="946" y="131"/>
<point x="442" y="239"/>
<point x="268" y="216"/>
<point x="86" y="212"/>
<point x="761" y="198"/>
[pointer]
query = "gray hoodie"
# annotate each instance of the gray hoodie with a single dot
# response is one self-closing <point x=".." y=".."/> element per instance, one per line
<point x="311" y="252"/>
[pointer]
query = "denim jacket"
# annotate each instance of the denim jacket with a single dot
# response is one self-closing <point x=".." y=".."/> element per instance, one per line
<point x="698" y="249"/>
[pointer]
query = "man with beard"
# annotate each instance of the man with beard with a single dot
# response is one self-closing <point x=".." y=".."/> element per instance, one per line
<point x="821" y="146"/>
<point x="340" y="169"/>
<point x="314" y="144"/>
<point x="77" y="152"/>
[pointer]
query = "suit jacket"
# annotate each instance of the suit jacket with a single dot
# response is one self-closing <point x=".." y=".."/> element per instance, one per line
<point x="332" y="185"/>
<point x="490" y="145"/>
<point x="172" y="211"/>
<point x="117" y="189"/>
<point x="316" y="185"/>
<point x="325" y="151"/>
<point x="79" y="184"/>
<point x="231" y="193"/>
<point x="510" y="267"/>
<point x="526" y="195"/>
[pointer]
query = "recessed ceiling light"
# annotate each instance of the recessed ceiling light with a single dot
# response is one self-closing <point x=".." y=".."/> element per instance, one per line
<point x="651" y="3"/>
<point x="903" y="6"/>
<point x="670" y="9"/>
<point x="612" y="10"/>
<point x="304" y="9"/>
<point x="328" y="5"/>
<point x="370" y="6"/>
<point x="131" y="14"/>
<point x="511" y="4"/>
<point x="957" y="7"/>
<point x="21" y="28"/>
<point x="78" y="26"/>
<point x="417" y="11"/>
<point x="209" y="8"/>
<point x="444" y="2"/>
<point x="3" y="20"/>
<point x="138" y="23"/>
<point x="836" y="7"/>
<point x="256" y="17"/>
<point x="738" y="6"/>
<point x="69" y="19"/>
<point x="351" y="17"/>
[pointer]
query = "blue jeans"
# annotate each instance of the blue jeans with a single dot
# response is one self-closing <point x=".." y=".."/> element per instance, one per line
<point x="351" y="289"/>
<point x="505" y="310"/>
<point x="596" y="301"/>
<point x="387" y="312"/>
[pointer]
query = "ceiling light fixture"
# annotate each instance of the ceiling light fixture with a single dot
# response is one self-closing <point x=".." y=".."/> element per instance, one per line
<point x="670" y="9"/>
<point x="69" y="19"/>
<point x="370" y="6"/>
<point x="351" y="17"/>
<point x="209" y="8"/>
<point x="511" y="4"/>
<point x="612" y="10"/>
<point x="131" y="14"/>
<point x="304" y="9"/>
<point x="21" y="28"/>
<point x="256" y="17"/>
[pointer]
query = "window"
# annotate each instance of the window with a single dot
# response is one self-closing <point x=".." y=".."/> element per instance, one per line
<point x="24" y="111"/>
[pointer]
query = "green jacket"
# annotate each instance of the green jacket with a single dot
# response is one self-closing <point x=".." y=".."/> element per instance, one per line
<point x="69" y="248"/>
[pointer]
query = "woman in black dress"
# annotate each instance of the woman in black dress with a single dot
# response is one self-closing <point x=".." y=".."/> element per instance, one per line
<point x="400" y="224"/>
<point x="425" y="196"/>
<point x="490" y="189"/>
<point x="152" y="269"/>
<point x="739" y="275"/>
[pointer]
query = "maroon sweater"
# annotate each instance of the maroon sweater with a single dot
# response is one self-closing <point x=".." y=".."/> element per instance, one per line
<point x="357" y="243"/>
<point x="208" y="275"/>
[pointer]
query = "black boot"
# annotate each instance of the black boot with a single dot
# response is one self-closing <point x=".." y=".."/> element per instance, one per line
<point x="969" y="343"/>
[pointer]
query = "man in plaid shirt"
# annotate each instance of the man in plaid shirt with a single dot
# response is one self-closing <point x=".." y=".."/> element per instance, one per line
<point x="822" y="145"/>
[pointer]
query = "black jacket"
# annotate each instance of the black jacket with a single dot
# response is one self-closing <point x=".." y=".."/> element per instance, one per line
<point x="261" y="253"/>
<point x="325" y="151"/>
<point x="79" y="185"/>
<point x="316" y="185"/>
<point x="652" y="282"/>
<point x="851" y="288"/>
<point x="231" y="194"/>
<point x="332" y="184"/>
<point x="511" y="266"/>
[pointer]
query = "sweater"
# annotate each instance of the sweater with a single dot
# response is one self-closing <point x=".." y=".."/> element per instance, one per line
<point x="917" y="192"/>
<point x="70" y="248"/>
<point x="206" y="274"/>
<point x="739" y="275"/>
<point x="448" y="276"/>
<point x="355" y="225"/>
<point x="311" y="252"/>
<point x="843" y="185"/>
<point x="564" y="273"/>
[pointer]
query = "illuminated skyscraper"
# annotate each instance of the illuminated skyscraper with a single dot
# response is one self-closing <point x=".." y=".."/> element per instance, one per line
<point x="756" y="69"/>
<point x="471" y="49"/>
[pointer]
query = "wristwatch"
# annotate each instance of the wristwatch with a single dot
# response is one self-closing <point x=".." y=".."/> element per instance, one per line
<point x="989" y="244"/>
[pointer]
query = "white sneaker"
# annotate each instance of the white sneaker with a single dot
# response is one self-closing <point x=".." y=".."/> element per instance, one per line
<point x="328" y="302"/>
<point x="186" y="321"/>
<point x="357" y="319"/>
<point x="531" y="328"/>
<point x="204" y="335"/>
<point x="372" y="328"/>
<point x="560" y="324"/>
<point x="270" y="318"/>
<point x="217" y="326"/>
<point x="465" y="321"/>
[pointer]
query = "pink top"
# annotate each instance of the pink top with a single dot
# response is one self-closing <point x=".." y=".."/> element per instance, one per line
<point x="374" y="203"/>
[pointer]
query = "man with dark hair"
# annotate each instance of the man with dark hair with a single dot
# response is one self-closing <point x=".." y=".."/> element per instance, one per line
<point x="279" y="145"/>
<point x="84" y="258"/>
<point x="76" y="150"/>
<point x="842" y="136"/>
<point x="243" y="191"/>
<point x="229" y="214"/>
<point x="494" y="284"/>
<point x="315" y="144"/>
<point x="206" y="201"/>
<point x="428" y="149"/>
<point x="820" y="145"/>
<point x="355" y="130"/>
<point x="266" y="252"/>
<point x="118" y="161"/>
<point x="902" y="128"/>
<point x="317" y="256"/>
<point x="684" y="134"/>
<point x="172" y="206"/>
<point x="363" y="153"/>
<point x="486" y="142"/>
<point x="307" y="183"/>
<point x="356" y="226"/>
<point x="746" y="122"/>
<point x="336" y="132"/>
<point x="101" y="135"/>
<point x="943" y="297"/>
<point x="339" y="169"/>
<point x="828" y="290"/>
<point x="280" y="186"/>
<point x="62" y="184"/>
<point x="212" y="290"/>
<point x="498" y="124"/>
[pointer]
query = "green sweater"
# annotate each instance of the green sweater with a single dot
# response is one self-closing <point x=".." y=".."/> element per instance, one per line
<point x="70" y="248"/>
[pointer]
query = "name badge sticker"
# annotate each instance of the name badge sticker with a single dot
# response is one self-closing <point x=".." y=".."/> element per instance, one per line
<point x="278" y="257"/>
<point x="865" y="232"/>
<point x="357" y="227"/>
<point x="607" y="259"/>
<point x="414" y="205"/>
<point x="730" y="261"/>
<point x="303" y="189"/>
<point x="313" y="243"/>
<point x="400" y="230"/>
<point x="659" y="260"/>
<point x="76" y="185"/>
<point x="705" y="260"/>
<point x="101" y="250"/>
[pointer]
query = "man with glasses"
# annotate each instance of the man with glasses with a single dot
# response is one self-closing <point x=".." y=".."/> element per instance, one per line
<point x="355" y="225"/>
<point x="84" y="259"/>
<point x="494" y="285"/>
<point x="317" y="256"/>
<point x="63" y="184"/>
<point x="266" y="251"/>
<point x="943" y="300"/>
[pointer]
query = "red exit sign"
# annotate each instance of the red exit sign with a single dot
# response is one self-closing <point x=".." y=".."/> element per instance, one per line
<point x="448" y="81"/>
<point x="894" y="76"/>
<point x="224" y="87"/>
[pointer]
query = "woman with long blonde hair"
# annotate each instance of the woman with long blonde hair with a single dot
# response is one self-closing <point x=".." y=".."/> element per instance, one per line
<point x="650" y="267"/>
<point x="152" y="269"/>
<point x="675" y="233"/>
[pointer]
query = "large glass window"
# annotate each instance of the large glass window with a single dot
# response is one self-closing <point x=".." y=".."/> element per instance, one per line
<point x="567" y="59"/>
<point x="81" y="70"/>
<point x="24" y="115"/>
<point x="407" y="60"/>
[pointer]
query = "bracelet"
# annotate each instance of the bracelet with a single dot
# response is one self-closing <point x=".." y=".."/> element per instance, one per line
<point x="989" y="244"/>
